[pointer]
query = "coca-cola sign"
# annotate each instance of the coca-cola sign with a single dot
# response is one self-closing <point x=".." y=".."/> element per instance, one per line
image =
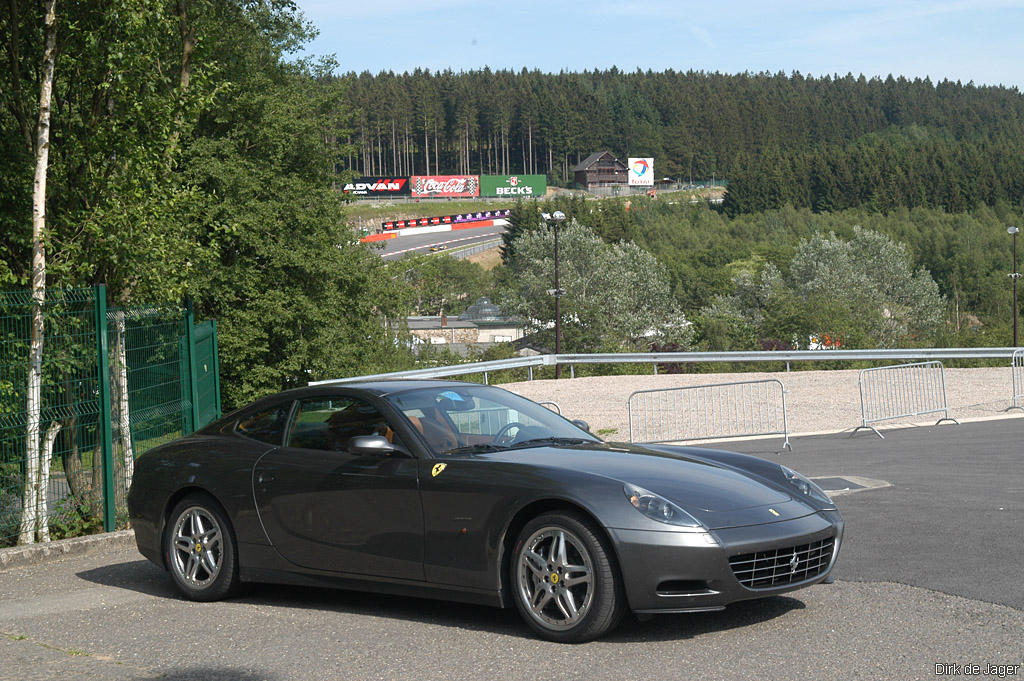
<point x="445" y="185"/>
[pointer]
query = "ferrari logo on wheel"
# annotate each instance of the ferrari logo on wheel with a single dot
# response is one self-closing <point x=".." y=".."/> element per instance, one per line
<point x="436" y="471"/>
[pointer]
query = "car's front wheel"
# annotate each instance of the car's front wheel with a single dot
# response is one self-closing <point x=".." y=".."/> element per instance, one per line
<point x="565" y="578"/>
<point x="199" y="547"/>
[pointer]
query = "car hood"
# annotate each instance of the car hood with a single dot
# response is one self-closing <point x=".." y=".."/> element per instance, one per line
<point x="698" y="485"/>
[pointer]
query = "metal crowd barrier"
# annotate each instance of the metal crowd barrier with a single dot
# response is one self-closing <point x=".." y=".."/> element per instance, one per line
<point x="708" y="412"/>
<point x="1017" y="368"/>
<point x="553" y="406"/>
<point x="903" y="390"/>
<point x="493" y="420"/>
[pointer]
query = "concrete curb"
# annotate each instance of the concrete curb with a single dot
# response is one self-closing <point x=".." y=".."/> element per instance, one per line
<point x="33" y="554"/>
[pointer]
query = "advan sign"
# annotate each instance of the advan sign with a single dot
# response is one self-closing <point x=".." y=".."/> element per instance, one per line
<point x="378" y="186"/>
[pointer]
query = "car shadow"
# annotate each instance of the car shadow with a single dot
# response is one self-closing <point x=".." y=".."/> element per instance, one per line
<point x="144" y="577"/>
<point x="141" y="576"/>
<point x="681" y="626"/>
<point x="219" y="673"/>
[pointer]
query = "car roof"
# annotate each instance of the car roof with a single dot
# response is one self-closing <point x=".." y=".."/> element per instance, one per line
<point x="379" y="387"/>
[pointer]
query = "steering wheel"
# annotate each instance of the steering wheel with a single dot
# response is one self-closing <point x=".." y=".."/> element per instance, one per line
<point x="504" y="430"/>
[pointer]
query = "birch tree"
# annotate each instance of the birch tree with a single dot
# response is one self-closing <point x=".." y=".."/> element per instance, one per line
<point x="36" y="459"/>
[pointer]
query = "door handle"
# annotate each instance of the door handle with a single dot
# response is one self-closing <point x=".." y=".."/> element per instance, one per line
<point x="265" y="478"/>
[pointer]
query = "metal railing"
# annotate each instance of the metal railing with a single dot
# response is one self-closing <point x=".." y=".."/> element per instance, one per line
<point x="483" y="421"/>
<point x="553" y="406"/>
<point x="466" y="251"/>
<point x="656" y="358"/>
<point x="900" y="391"/>
<point x="113" y="383"/>
<point x="1017" y="369"/>
<point x="708" y="412"/>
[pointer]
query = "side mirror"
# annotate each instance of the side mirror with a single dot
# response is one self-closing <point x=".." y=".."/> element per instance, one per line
<point x="374" y="445"/>
<point x="581" y="424"/>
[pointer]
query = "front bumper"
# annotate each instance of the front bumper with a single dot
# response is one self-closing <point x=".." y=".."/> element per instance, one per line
<point x="682" y="572"/>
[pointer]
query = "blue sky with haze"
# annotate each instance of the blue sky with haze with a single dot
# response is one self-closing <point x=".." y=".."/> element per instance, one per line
<point x="976" y="40"/>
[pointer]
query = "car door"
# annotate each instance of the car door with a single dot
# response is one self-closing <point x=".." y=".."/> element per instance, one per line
<point x="325" y="508"/>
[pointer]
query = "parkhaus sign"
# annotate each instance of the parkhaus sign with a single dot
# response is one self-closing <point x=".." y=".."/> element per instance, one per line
<point x="513" y="185"/>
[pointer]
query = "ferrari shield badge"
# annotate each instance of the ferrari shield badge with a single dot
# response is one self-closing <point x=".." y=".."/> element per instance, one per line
<point x="436" y="471"/>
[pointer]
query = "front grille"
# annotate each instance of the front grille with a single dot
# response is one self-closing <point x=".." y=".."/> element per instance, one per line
<point x="770" y="569"/>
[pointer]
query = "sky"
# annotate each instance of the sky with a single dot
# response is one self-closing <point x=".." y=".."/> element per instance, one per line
<point x="966" y="40"/>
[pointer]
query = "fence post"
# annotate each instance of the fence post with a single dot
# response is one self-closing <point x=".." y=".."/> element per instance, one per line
<point x="103" y="377"/>
<point x="216" y="367"/>
<point x="190" y="349"/>
<point x="1017" y="375"/>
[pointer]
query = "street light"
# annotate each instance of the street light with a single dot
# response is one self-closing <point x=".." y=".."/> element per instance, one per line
<point x="555" y="219"/>
<point x="1015" y="275"/>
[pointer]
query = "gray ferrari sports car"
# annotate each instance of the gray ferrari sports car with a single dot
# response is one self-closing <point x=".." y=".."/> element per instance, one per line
<point x="468" y="492"/>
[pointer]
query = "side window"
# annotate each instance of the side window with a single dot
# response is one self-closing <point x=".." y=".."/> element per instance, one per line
<point x="327" y="423"/>
<point x="267" y="425"/>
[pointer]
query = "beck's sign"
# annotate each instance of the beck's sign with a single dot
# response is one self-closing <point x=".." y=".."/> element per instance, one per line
<point x="513" y="185"/>
<point x="378" y="186"/>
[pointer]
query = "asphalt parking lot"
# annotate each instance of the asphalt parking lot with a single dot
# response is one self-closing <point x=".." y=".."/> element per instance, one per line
<point x="928" y="584"/>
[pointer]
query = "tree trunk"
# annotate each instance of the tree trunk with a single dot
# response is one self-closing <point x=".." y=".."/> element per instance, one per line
<point x="79" y="481"/>
<point x="30" y="518"/>
<point x="121" y="399"/>
<point x="187" y="33"/>
<point x="43" y="499"/>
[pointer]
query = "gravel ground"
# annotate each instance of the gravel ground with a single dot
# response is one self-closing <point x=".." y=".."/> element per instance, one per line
<point x="816" y="401"/>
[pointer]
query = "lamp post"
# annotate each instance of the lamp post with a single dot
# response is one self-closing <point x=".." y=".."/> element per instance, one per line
<point x="555" y="219"/>
<point x="1015" y="275"/>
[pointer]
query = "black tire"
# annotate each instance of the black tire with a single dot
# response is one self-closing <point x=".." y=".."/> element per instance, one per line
<point x="200" y="549"/>
<point x="565" y="580"/>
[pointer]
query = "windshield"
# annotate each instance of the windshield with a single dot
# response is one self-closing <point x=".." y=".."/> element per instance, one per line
<point x="461" y="418"/>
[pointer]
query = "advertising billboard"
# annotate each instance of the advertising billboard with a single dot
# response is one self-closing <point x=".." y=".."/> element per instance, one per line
<point x="481" y="215"/>
<point x="461" y="218"/>
<point x="513" y="185"/>
<point x="378" y="186"/>
<point x="445" y="185"/>
<point x="641" y="172"/>
<point x="417" y="222"/>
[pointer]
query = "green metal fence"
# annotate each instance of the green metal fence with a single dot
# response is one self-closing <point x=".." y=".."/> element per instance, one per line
<point x="114" y="383"/>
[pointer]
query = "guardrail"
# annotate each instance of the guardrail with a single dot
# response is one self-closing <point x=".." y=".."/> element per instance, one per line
<point x="903" y="390"/>
<point x="657" y="358"/>
<point x="1017" y="369"/>
<point x="473" y="249"/>
<point x="708" y="412"/>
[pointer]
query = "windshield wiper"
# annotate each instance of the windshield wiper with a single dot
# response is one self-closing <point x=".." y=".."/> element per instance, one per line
<point x="559" y="441"/>
<point x="475" y="449"/>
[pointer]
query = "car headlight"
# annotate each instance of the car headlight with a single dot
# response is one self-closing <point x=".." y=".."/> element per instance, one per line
<point x="658" y="508"/>
<point x="805" y="485"/>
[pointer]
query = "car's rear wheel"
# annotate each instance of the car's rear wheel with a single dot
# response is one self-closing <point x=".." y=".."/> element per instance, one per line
<point x="199" y="547"/>
<point x="565" y="578"/>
